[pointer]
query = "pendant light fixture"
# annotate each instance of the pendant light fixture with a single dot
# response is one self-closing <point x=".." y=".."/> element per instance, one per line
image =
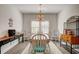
<point x="40" y="15"/>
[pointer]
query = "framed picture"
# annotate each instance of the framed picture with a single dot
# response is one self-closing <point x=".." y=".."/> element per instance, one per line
<point x="10" y="22"/>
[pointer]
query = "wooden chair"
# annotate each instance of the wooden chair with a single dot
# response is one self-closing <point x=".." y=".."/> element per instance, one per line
<point x="39" y="42"/>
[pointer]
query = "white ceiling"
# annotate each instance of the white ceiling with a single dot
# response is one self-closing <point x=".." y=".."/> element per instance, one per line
<point x="46" y="8"/>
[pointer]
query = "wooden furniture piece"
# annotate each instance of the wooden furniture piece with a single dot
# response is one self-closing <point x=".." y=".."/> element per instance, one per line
<point x="72" y="40"/>
<point x="39" y="42"/>
<point x="71" y="32"/>
<point x="6" y="39"/>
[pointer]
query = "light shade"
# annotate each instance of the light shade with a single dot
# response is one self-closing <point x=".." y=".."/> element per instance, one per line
<point x="40" y="16"/>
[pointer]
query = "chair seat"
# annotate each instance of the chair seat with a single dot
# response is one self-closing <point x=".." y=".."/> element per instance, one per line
<point x="39" y="48"/>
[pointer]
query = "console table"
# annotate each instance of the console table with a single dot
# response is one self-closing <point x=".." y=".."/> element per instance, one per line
<point x="6" y="39"/>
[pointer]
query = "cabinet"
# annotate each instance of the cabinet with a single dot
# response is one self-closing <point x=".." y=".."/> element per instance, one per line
<point x="72" y="25"/>
<point x="7" y="42"/>
<point x="71" y="32"/>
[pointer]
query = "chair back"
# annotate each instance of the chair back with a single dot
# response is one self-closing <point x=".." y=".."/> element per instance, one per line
<point x="39" y="40"/>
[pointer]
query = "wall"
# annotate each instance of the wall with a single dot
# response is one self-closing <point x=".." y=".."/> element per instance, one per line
<point x="7" y="12"/>
<point x="27" y="18"/>
<point x="72" y="10"/>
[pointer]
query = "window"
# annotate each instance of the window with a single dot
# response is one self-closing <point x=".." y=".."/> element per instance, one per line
<point x="45" y="27"/>
<point x="36" y="26"/>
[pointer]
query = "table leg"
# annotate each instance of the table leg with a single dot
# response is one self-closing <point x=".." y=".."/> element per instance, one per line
<point x="22" y="38"/>
<point x="60" y="42"/>
<point x="71" y="48"/>
<point x="66" y="44"/>
<point x="0" y="49"/>
<point x="18" y="39"/>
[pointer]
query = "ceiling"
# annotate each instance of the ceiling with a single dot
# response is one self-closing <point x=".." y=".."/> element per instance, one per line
<point x="46" y="8"/>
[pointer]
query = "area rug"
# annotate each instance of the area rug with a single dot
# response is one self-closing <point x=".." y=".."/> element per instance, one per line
<point x="52" y="48"/>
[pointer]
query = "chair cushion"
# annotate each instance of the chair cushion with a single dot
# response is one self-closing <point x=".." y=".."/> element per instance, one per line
<point x="39" y="48"/>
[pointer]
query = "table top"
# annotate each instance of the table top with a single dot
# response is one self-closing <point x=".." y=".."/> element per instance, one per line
<point x="5" y="38"/>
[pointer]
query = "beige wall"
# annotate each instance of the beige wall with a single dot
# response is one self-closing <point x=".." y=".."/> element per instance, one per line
<point x="27" y="18"/>
<point x="6" y="12"/>
<point x="72" y="10"/>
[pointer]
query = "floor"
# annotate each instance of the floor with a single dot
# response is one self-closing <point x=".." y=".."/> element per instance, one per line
<point x="25" y="48"/>
<point x="63" y="47"/>
<point x="63" y="50"/>
<point x="18" y="49"/>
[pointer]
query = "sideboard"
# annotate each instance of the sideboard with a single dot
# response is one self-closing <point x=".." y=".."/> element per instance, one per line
<point x="5" y="40"/>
